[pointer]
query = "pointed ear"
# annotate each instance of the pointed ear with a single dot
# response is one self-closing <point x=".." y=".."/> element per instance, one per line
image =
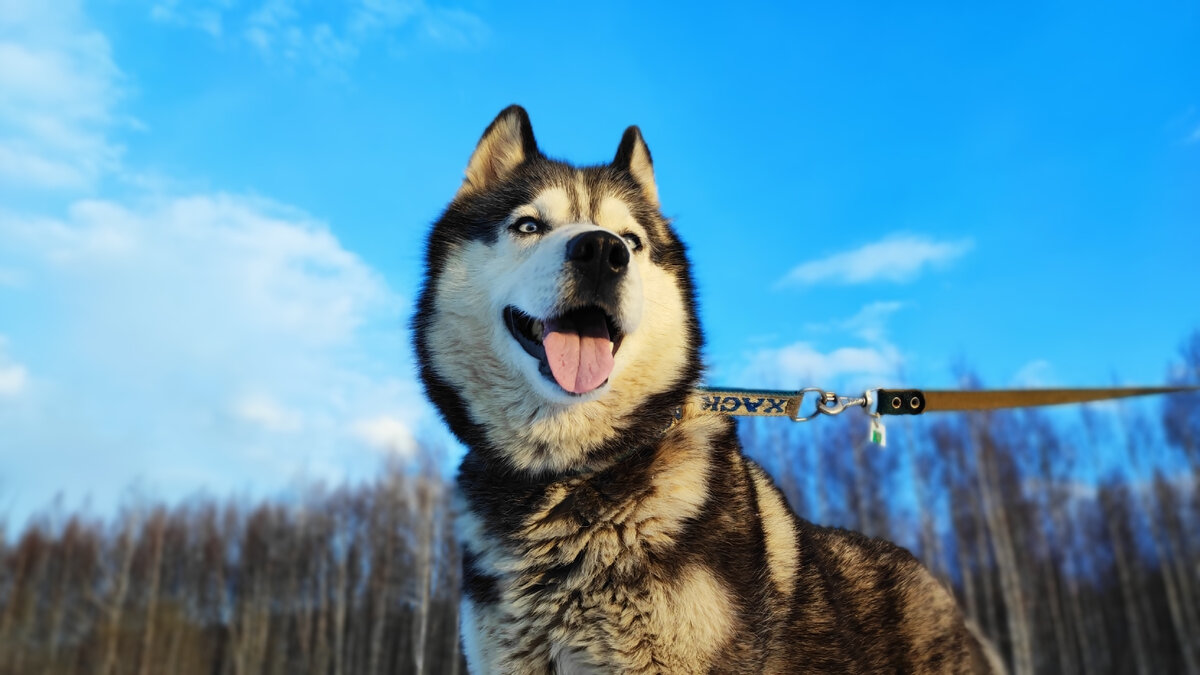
<point x="633" y="156"/>
<point x="507" y="142"/>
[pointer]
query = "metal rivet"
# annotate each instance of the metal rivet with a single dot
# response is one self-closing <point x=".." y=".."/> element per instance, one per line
<point x="896" y="403"/>
<point x="914" y="402"/>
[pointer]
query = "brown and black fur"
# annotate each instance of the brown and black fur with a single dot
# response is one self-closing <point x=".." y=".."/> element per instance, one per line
<point x="627" y="532"/>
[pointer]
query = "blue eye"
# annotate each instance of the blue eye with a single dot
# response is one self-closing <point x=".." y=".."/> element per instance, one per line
<point x="527" y="225"/>
<point x="635" y="242"/>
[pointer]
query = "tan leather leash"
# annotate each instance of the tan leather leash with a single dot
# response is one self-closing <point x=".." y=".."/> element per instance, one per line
<point x="879" y="402"/>
<point x="1019" y="398"/>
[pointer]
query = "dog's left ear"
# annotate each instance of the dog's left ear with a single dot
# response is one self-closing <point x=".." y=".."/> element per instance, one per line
<point x="633" y="156"/>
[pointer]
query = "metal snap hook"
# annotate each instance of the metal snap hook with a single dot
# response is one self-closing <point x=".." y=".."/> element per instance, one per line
<point x="831" y="404"/>
<point x="800" y="403"/>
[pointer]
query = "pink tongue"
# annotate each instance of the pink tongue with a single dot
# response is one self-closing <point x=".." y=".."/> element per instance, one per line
<point x="579" y="351"/>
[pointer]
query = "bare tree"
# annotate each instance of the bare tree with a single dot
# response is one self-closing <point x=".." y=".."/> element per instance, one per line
<point x="995" y="517"/>
<point x="114" y="604"/>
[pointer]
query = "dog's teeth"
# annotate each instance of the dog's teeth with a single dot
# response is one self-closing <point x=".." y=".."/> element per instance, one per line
<point x="536" y="328"/>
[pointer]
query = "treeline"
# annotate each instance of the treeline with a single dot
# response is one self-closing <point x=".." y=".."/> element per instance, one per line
<point x="342" y="582"/>
<point x="1072" y="539"/>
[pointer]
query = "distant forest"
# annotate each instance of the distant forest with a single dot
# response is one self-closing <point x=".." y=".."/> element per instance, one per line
<point x="1067" y="569"/>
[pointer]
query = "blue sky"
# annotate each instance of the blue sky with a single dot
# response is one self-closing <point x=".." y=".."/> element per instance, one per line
<point x="212" y="213"/>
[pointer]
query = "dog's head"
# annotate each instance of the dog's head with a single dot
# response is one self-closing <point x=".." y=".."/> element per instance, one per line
<point x="557" y="321"/>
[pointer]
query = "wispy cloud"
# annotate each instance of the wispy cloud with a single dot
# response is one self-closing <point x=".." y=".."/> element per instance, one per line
<point x="206" y="17"/>
<point x="870" y="360"/>
<point x="264" y="411"/>
<point x="13" y="376"/>
<point x="802" y="364"/>
<point x="58" y="88"/>
<point x="216" y="327"/>
<point x="10" y="278"/>
<point x="386" y="433"/>
<point x="280" y="31"/>
<point x="453" y="28"/>
<point x="1037" y="373"/>
<point x="869" y="324"/>
<point x="895" y="259"/>
<point x="188" y="340"/>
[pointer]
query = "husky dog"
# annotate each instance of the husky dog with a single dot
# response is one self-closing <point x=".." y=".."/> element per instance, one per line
<point x="607" y="525"/>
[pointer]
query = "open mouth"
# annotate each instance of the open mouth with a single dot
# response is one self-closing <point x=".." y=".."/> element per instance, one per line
<point x="575" y="349"/>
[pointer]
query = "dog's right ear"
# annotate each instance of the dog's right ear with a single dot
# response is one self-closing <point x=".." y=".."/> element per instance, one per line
<point x="507" y="143"/>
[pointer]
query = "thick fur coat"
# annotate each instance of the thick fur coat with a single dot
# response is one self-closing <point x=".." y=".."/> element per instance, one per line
<point x="605" y="524"/>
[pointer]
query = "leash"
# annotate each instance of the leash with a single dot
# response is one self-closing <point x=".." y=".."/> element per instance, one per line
<point x="879" y="402"/>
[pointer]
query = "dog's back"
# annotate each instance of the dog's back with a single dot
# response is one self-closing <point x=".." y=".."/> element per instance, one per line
<point x="687" y="559"/>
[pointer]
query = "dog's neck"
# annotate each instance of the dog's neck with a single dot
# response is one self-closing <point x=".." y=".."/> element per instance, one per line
<point x="611" y="457"/>
<point x="507" y="502"/>
<point x="608" y="463"/>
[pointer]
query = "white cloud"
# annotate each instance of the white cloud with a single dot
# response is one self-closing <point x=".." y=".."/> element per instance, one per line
<point x="1035" y="374"/>
<point x="12" y="379"/>
<point x="266" y="412"/>
<point x="388" y="434"/>
<point x="210" y="341"/>
<point x="13" y="376"/>
<point x="868" y="324"/>
<point x="194" y="14"/>
<point x="802" y="365"/>
<point x="203" y="278"/>
<point x="58" y="87"/>
<point x="205" y="341"/>
<point x="279" y="32"/>
<point x="10" y="278"/>
<point x="453" y="28"/>
<point x="862" y="357"/>
<point x="896" y="259"/>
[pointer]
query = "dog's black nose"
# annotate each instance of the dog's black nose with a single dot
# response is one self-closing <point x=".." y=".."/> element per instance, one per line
<point x="598" y="253"/>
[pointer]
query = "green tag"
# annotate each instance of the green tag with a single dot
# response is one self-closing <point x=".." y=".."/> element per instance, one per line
<point x="878" y="434"/>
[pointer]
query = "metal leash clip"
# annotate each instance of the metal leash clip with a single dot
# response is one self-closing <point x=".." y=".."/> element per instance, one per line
<point x="829" y="403"/>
